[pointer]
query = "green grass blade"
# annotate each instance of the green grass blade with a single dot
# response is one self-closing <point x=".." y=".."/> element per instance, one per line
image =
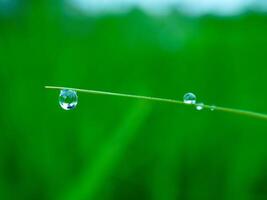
<point x="94" y="177"/>
<point x="216" y="108"/>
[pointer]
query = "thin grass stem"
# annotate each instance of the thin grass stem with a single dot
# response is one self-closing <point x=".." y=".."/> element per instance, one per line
<point x="173" y="101"/>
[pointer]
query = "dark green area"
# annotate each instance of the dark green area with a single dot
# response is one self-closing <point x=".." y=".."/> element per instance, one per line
<point x="112" y="148"/>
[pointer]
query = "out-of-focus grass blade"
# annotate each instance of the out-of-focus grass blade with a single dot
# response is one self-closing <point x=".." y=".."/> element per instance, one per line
<point x="92" y="179"/>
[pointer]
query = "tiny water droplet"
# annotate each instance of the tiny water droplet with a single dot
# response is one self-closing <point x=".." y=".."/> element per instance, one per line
<point x="68" y="99"/>
<point x="190" y="98"/>
<point x="199" y="106"/>
<point x="212" y="108"/>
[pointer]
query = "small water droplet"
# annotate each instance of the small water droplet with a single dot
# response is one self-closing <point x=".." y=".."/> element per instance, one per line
<point x="199" y="106"/>
<point x="212" y="108"/>
<point x="190" y="98"/>
<point x="68" y="99"/>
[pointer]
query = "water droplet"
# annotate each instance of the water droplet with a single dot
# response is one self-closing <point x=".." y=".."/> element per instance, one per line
<point x="199" y="106"/>
<point x="212" y="108"/>
<point x="190" y="98"/>
<point x="68" y="99"/>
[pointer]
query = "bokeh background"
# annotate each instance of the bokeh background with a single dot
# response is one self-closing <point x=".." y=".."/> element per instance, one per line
<point x="112" y="148"/>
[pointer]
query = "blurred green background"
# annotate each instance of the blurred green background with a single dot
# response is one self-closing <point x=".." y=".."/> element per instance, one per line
<point x="112" y="148"/>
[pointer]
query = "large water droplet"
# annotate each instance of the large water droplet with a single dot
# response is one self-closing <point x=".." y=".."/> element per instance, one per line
<point x="68" y="99"/>
<point x="199" y="106"/>
<point x="190" y="98"/>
